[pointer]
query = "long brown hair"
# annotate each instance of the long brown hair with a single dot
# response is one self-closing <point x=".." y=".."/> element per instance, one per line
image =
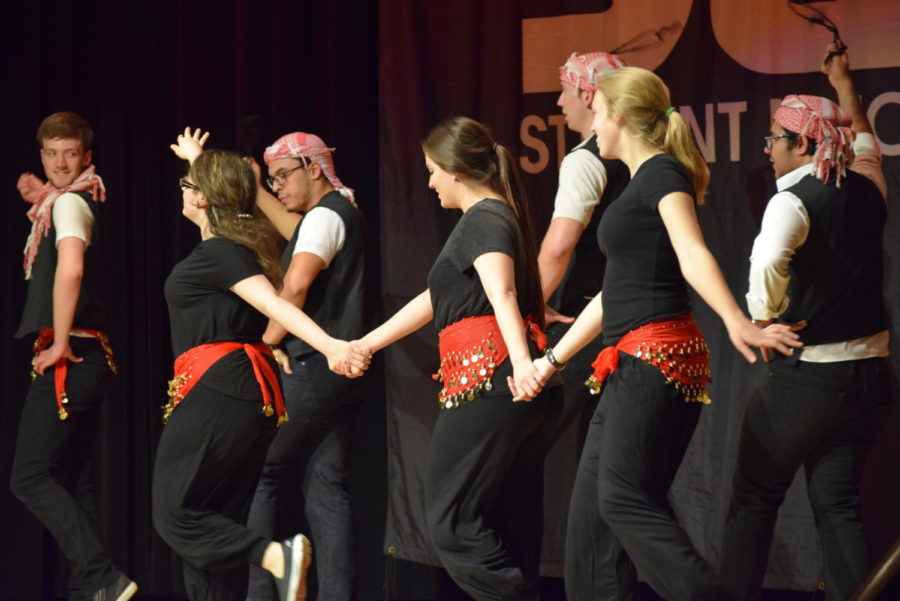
<point x="642" y="99"/>
<point x="230" y="189"/>
<point x="465" y="146"/>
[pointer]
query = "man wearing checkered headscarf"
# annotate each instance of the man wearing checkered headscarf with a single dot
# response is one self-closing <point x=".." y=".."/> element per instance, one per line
<point x="817" y="262"/>
<point x="570" y="261"/>
<point x="324" y="274"/>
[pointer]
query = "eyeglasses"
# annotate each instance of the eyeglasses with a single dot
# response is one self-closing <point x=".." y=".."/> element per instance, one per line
<point x="186" y="185"/>
<point x="770" y="140"/>
<point x="280" y="178"/>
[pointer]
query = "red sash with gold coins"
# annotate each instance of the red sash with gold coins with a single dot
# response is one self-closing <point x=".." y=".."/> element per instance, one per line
<point x="676" y="347"/>
<point x="193" y="363"/>
<point x="61" y="369"/>
<point x="471" y="349"/>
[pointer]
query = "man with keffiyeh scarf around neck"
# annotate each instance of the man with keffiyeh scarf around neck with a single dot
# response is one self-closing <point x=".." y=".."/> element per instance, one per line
<point x="72" y="357"/>
<point x="816" y="263"/>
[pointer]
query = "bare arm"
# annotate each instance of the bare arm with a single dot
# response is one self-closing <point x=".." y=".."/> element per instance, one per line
<point x="259" y="292"/>
<point x="838" y="72"/>
<point x="496" y="271"/>
<point x="301" y="273"/>
<point x="587" y="326"/>
<point x="283" y="220"/>
<point x="556" y="252"/>
<point x="66" y="290"/>
<point x="414" y="314"/>
<point x="702" y="272"/>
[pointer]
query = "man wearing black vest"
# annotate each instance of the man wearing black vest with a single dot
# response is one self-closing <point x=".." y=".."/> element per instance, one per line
<point x="817" y="262"/>
<point x="323" y="275"/>
<point x="72" y="361"/>
<point x="570" y="260"/>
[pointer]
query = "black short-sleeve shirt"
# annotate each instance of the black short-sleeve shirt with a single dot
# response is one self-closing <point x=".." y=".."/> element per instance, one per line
<point x="643" y="280"/>
<point x="202" y="309"/>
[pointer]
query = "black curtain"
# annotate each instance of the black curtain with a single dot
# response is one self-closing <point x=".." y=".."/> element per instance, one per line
<point x="140" y="72"/>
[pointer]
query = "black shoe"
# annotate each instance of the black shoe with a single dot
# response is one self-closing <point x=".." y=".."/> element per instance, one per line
<point x="297" y="557"/>
<point x="122" y="589"/>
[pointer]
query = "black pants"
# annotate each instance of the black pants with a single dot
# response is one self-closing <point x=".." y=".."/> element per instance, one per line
<point x="322" y="406"/>
<point x="620" y="520"/>
<point x="207" y="465"/>
<point x="484" y="494"/>
<point x="578" y="403"/>
<point x="51" y="458"/>
<point x="822" y="417"/>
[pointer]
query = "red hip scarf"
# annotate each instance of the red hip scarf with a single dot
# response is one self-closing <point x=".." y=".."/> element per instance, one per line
<point x="676" y="347"/>
<point x="471" y="349"/>
<point x="193" y="363"/>
<point x="61" y="371"/>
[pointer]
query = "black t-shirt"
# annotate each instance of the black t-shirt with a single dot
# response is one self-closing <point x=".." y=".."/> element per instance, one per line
<point x="643" y="280"/>
<point x="455" y="288"/>
<point x="202" y="309"/>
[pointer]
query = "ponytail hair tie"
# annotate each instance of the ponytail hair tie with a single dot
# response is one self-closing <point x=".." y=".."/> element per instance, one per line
<point x="244" y="216"/>
<point x="495" y="147"/>
<point x="670" y="110"/>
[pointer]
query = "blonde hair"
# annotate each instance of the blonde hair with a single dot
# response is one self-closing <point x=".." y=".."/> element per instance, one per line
<point x="230" y="189"/>
<point x="642" y="99"/>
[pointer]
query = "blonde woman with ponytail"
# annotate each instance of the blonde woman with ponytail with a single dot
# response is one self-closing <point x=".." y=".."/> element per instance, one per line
<point x="484" y="480"/>
<point x="653" y="375"/>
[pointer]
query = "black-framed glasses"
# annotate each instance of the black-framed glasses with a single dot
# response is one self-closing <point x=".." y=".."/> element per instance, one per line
<point x="770" y="140"/>
<point x="279" y="178"/>
<point x="186" y="185"/>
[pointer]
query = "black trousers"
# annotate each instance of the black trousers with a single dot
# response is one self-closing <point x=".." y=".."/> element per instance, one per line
<point x="484" y="494"/>
<point x="578" y="403"/>
<point x="620" y="520"/>
<point x="322" y="406"/>
<point x="207" y="464"/>
<point x="821" y="417"/>
<point x="51" y="460"/>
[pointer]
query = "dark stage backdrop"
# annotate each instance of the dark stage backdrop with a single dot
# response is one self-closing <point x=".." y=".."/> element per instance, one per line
<point x="725" y="63"/>
<point x="140" y="72"/>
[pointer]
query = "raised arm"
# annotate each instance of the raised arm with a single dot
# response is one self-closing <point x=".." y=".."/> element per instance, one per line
<point x="283" y="220"/>
<point x="496" y="271"/>
<point x="702" y="272"/>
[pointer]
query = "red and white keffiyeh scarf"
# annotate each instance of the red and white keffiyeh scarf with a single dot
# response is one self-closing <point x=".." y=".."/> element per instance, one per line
<point x="584" y="70"/>
<point x="310" y="146"/>
<point x="827" y="124"/>
<point x="41" y="212"/>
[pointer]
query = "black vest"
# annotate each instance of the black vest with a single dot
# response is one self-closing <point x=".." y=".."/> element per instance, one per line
<point x="584" y="278"/>
<point x="836" y="276"/>
<point x="335" y="299"/>
<point x="38" y="311"/>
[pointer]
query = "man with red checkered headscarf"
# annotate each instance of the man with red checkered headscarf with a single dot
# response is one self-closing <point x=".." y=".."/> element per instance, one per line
<point x="324" y="275"/>
<point x="816" y="262"/>
<point x="570" y="260"/>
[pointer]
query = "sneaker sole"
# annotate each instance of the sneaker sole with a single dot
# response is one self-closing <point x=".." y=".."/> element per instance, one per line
<point x="128" y="593"/>
<point x="300" y="559"/>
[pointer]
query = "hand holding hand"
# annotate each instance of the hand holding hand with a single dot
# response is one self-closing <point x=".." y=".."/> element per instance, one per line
<point x="348" y="359"/>
<point x="189" y="145"/>
<point x="52" y="354"/>
<point x="30" y="187"/>
<point x="525" y="382"/>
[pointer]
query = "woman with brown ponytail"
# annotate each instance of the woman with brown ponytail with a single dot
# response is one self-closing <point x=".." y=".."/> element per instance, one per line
<point x="655" y="369"/>
<point x="225" y="399"/>
<point x="484" y="481"/>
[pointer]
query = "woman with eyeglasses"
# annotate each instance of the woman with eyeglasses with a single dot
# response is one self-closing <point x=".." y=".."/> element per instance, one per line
<point x="484" y="480"/>
<point x="225" y="400"/>
<point x="655" y="367"/>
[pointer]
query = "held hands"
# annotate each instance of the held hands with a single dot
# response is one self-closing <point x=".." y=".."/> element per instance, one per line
<point x="189" y="145"/>
<point x="349" y="359"/>
<point x="526" y="381"/>
<point x="777" y="336"/>
<point x="52" y="354"/>
<point x="30" y="187"/>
